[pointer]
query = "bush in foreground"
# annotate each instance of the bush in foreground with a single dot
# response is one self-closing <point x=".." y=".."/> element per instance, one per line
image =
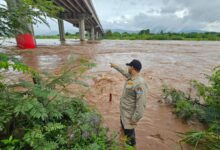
<point x="188" y="107"/>
<point x="40" y="115"/>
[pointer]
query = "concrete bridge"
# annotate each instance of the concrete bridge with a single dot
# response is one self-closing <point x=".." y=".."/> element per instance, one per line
<point x="82" y="14"/>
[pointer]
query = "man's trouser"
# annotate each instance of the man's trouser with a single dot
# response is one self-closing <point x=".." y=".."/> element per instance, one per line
<point x="130" y="134"/>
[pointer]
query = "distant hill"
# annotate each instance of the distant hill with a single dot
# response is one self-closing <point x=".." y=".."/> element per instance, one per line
<point x="191" y="31"/>
<point x="155" y="31"/>
<point x="122" y="30"/>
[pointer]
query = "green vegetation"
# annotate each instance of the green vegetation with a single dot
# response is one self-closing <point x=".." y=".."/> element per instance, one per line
<point x="14" y="20"/>
<point x="44" y="114"/>
<point x="187" y="107"/>
<point x="67" y="36"/>
<point x="146" y="35"/>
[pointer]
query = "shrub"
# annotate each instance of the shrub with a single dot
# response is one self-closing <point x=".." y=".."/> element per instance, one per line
<point x="42" y="116"/>
<point x="208" y="113"/>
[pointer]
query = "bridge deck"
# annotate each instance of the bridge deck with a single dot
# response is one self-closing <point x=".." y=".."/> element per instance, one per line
<point x="74" y="10"/>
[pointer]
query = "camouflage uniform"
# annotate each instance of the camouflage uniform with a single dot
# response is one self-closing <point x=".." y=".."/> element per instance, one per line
<point x="133" y="100"/>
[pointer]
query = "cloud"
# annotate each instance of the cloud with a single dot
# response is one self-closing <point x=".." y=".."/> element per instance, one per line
<point x="182" y="13"/>
<point x="212" y="27"/>
<point x="167" y="15"/>
<point x="167" y="23"/>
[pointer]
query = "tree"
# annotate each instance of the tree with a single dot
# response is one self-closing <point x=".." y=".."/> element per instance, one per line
<point x="77" y="33"/>
<point x="32" y="11"/>
<point x="147" y="31"/>
<point x="108" y="33"/>
<point x="67" y="33"/>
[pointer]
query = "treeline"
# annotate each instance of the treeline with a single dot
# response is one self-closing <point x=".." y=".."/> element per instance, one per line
<point x="146" y="35"/>
<point x="67" y="36"/>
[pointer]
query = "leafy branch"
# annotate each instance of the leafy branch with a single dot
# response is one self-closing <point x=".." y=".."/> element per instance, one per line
<point x="42" y="115"/>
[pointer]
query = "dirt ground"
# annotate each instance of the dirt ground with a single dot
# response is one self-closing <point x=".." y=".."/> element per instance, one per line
<point x="174" y="63"/>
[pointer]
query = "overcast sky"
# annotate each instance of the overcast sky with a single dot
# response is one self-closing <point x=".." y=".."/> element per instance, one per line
<point x="157" y="15"/>
<point x="167" y="15"/>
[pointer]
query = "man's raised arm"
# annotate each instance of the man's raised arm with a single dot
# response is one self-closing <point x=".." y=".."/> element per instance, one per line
<point x="122" y="71"/>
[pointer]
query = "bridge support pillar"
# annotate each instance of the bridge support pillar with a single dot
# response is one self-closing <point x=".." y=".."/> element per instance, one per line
<point x="92" y="33"/>
<point x="100" y="36"/>
<point x="61" y="30"/>
<point x="88" y="35"/>
<point x="97" y="35"/>
<point x="82" y="29"/>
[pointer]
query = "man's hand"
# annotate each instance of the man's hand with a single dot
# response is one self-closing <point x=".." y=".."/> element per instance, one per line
<point x="112" y="65"/>
<point x="133" y="123"/>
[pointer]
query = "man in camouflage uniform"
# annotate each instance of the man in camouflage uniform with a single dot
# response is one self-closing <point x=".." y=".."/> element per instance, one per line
<point x="133" y="100"/>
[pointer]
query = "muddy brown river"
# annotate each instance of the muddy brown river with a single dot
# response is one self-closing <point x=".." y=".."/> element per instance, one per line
<point x="174" y="63"/>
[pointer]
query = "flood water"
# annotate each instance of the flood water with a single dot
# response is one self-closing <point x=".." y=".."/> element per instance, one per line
<point x="174" y="63"/>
